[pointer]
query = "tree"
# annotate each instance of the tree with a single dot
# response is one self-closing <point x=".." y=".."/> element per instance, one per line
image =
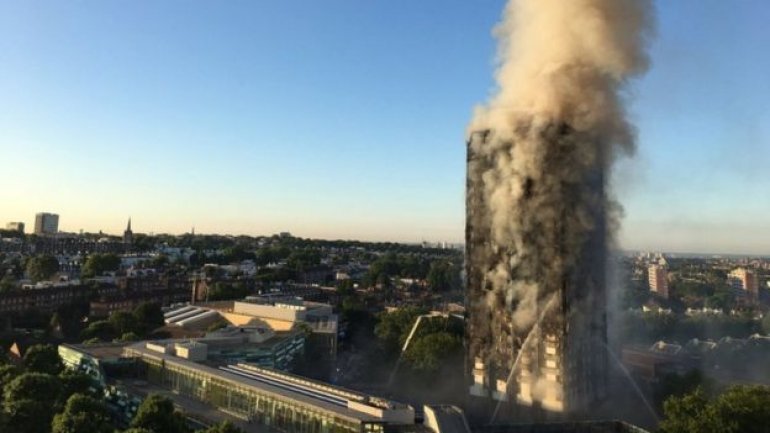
<point x="740" y="409"/>
<point x="443" y="276"/>
<point x="43" y="358"/>
<point x="149" y="316"/>
<point x="30" y="402"/>
<point x="393" y="328"/>
<point x="7" y="284"/>
<point x="429" y="352"/>
<point x="223" y="427"/>
<point x="82" y="414"/>
<point x="97" y="264"/>
<point x="128" y="337"/>
<point x="42" y="267"/>
<point x="674" y="384"/>
<point x="156" y="413"/>
<point x="123" y="322"/>
<point x="75" y="382"/>
<point x="7" y="374"/>
<point x="101" y="330"/>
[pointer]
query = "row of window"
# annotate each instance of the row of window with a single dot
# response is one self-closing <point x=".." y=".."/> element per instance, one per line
<point x="249" y="403"/>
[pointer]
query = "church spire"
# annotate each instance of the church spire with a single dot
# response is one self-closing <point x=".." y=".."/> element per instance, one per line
<point x="128" y="235"/>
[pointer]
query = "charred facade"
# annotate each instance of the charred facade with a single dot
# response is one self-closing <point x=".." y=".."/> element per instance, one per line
<point x="535" y="267"/>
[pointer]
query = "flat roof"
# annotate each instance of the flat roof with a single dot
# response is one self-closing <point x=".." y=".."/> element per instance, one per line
<point x="101" y="350"/>
<point x="283" y="392"/>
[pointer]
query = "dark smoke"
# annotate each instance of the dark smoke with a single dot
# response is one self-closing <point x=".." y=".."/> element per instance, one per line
<point x="539" y="217"/>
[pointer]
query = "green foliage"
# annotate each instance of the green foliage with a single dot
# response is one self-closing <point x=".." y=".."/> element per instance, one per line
<point x="156" y="413"/>
<point x="124" y="322"/>
<point x="224" y="427"/>
<point x="686" y="414"/>
<point x="101" y="330"/>
<point x="740" y="409"/>
<point x="30" y="402"/>
<point x="300" y="260"/>
<point x="75" y="382"/>
<point x="393" y="328"/>
<point x="428" y="353"/>
<point x="7" y="373"/>
<point x="237" y="253"/>
<point x="271" y="254"/>
<point x="149" y="316"/>
<point x="42" y="267"/>
<point x="7" y="284"/>
<point x="443" y="276"/>
<point x="97" y="264"/>
<point x="43" y="358"/>
<point x="160" y="261"/>
<point x="225" y="291"/>
<point x="136" y="324"/>
<point x="676" y="385"/>
<point x="646" y="328"/>
<point x="129" y="336"/>
<point x="82" y="414"/>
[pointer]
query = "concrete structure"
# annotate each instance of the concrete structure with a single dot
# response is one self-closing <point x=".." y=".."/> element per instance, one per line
<point x="263" y="318"/>
<point x="271" y="398"/>
<point x="658" y="278"/>
<point x="745" y="280"/>
<point x="192" y="350"/>
<point x="15" y="226"/>
<point x="46" y="223"/>
<point x="557" y="362"/>
<point x="445" y="419"/>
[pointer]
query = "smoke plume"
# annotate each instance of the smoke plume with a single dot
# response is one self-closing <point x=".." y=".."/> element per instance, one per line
<point x="537" y="174"/>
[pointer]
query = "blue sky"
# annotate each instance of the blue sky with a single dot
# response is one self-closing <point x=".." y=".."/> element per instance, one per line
<point x="345" y="119"/>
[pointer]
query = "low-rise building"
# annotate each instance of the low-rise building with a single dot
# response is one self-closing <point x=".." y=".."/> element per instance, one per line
<point x="258" y="397"/>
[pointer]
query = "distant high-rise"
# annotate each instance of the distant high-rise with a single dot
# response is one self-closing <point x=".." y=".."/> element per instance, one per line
<point x="658" y="276"/>
<point x="15" y="226"/>
<point x="46" y="223"/>
<point x="745" y="280"/>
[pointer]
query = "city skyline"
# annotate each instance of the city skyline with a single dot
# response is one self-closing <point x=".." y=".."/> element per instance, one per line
<point x="350" y="121"/>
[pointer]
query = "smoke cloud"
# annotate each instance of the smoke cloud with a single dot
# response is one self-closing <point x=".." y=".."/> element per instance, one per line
<point x="551" y="131"/>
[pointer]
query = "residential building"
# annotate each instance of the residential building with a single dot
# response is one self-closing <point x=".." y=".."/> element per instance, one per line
<point x="658" y="278"/>
<point x="46" y="223"/>
<point x="15" y="226"/>
<point x="745" y="280"/>
<point x="555" y="362"/>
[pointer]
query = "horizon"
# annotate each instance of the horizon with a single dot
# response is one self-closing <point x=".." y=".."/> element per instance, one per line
<point x="450" y="244"/>
<point x="350" y="122"/>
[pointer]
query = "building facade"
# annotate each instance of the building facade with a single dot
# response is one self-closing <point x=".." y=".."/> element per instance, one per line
<point x="554" y="359"/>
<point x="15" y="226"/>
<point x="746" y="281"/>
<point x="271" y="398"/>
<point x="658" y="278"/>
<point x="46" y="223"/>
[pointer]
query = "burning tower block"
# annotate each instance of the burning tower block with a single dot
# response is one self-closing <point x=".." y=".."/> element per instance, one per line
<point x="535" y="269"/>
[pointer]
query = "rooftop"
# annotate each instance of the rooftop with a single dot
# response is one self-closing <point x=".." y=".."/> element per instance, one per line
<point x="344" y="403"/>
